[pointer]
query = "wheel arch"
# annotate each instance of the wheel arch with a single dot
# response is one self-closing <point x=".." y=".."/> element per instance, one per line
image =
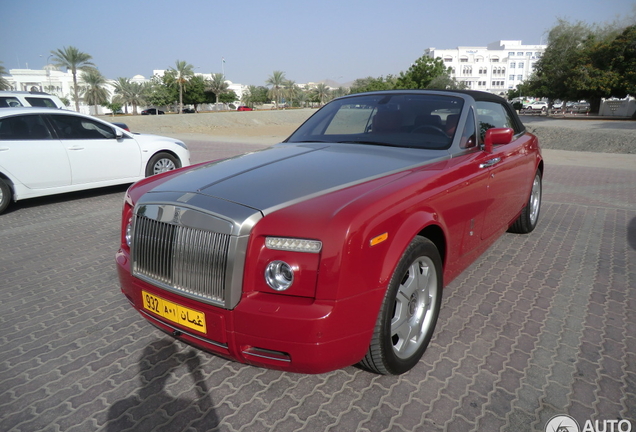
<point x="9" y="183"/>
<point x="167" y="151"/>
<point x="424" y="224"/>
<point x="435" y="234"/>
<point x="151" y="160"/>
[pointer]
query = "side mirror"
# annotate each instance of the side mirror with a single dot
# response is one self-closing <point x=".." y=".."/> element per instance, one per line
<point x="497" y="136"/>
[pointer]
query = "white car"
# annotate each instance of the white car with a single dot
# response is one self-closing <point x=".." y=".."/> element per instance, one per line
<point x="536" y="105"/>
<point x="13" y="99"/>
<point x="46" y="151"/>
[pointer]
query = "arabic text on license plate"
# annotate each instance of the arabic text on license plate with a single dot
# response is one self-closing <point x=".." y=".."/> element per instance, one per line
<point x="174" y="312"/>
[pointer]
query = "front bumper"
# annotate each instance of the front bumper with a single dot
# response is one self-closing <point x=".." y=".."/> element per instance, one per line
<point x="270" y="330"/>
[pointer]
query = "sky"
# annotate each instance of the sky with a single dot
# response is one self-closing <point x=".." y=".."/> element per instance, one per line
<point x="339" y="40"/>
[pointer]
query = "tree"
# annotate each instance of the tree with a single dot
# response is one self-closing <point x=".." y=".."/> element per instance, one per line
<point x="4" y="84"/>
<point x="339" y="92"/>
<point x="114" y="107"/>
<point x="302" y="98"/>
<point x="182" y="73"/>
<point x="277" y="82"/>
<point x="129" y="93"/>
<point x="619" y="57"/>
<point x="556" y="68"/>
<point x="373" y="84"/>
<point x="446" y="82"/>
<point x="323" y="93"/>
<point x="290" y="92"/>
<point x="195" y="93"/>
<point x="254" y="95"/>
<point x="586" y="62"/>
<point x="217" y="85"/>
<point x="228" y="97"/>
<point x="94" y="90"/>
<point x="72" y="59"/>
<point x="421" y="73"/>
<point x="161" y="91"/>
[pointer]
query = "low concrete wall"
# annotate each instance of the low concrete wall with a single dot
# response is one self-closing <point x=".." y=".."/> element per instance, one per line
<point x="618" y="108"/>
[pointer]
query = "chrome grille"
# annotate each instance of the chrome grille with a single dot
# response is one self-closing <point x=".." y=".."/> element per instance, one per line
<point x="186" y="260"/>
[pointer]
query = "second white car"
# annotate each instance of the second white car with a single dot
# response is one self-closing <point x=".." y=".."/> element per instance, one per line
<point x="47" y="151"/>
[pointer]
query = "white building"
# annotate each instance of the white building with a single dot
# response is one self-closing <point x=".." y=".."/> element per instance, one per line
<point x="58" y="83"/>
<point x="495" y="68"/>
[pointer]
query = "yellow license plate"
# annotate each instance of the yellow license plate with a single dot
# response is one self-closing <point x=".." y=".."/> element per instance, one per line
<point x="174" y="312"/>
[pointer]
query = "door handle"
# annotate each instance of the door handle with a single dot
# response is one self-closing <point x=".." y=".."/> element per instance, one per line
<point x="490" y="163"/>
<point x="76" y="148"/>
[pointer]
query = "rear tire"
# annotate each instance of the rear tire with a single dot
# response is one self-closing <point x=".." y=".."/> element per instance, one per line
<point x="527" y="220"/>
<point x="5" y="195"/>
<point x="409" y="311"/>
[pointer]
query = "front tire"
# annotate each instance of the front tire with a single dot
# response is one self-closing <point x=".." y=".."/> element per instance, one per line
<point x="409" y="311"/>
<point x="5" y="195"/>
<point x="161" y="162"/>
<point x="527" y="220"/>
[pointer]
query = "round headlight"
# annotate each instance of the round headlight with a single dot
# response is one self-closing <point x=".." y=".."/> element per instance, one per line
<point x="279" y="275"/>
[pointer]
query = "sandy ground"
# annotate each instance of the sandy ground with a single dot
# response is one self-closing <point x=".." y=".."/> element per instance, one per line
<point x="580" y="142"/>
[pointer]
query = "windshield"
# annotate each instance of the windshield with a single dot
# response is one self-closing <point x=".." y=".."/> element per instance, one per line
<point x="400" y="120"/>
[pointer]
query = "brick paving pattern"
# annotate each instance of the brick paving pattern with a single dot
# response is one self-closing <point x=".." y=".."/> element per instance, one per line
<point x="540" y="325"/>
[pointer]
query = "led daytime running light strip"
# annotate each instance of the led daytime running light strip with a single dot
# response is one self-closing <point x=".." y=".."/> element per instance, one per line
<point x="293" y="244"/>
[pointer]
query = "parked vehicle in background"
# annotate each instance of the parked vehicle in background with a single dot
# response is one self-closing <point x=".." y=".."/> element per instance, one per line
<point x="244" y="108"/>
<point x="332" y="247"/>
<point x="581" y="107"/>
<point x="536" y="105"/>
<point x="152" y="111"/>
<point x="123" y="126"/>
<point x="14" y="99"/>
<point x="46" y="151"/>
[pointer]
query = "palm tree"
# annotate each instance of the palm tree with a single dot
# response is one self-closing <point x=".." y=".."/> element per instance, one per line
<point x="277" y="81"/>
<point x="4" y="84"/>
<point x="217" y="85"/>
<point x="129" y="93"/>
<point x="339" y="92"/>
<point x="182" y="72"/>
<point x="94" y="91"/>
<point x="72" y="59"/>
<point x="302" y="98"/>
<point x="291" y="91"/>
<point x="322" y="91"/>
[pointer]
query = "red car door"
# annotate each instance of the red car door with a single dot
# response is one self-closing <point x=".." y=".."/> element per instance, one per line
<point x="510" y="171"/>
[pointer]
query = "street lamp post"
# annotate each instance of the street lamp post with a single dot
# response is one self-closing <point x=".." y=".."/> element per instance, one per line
<point x="48" y="71"/>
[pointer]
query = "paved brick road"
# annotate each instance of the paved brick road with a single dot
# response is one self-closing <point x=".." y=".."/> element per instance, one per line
<point x="541" y="325"/>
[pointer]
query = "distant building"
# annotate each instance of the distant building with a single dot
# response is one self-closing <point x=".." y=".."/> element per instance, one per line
<point x="53" y="81"/>
<point x="495" y="68"/>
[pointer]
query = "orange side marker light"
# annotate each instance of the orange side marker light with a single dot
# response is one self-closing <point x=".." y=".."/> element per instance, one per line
<point x="379" y="239"/>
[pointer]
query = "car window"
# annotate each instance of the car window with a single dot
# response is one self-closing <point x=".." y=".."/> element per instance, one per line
<point x="492" y="115"/>
<point x="28" y="127"/>
<point x="41" y="102"/>
<point x="398" y="120"/>
<point x="9" y="102"/>
<point x="74" y="127"/>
